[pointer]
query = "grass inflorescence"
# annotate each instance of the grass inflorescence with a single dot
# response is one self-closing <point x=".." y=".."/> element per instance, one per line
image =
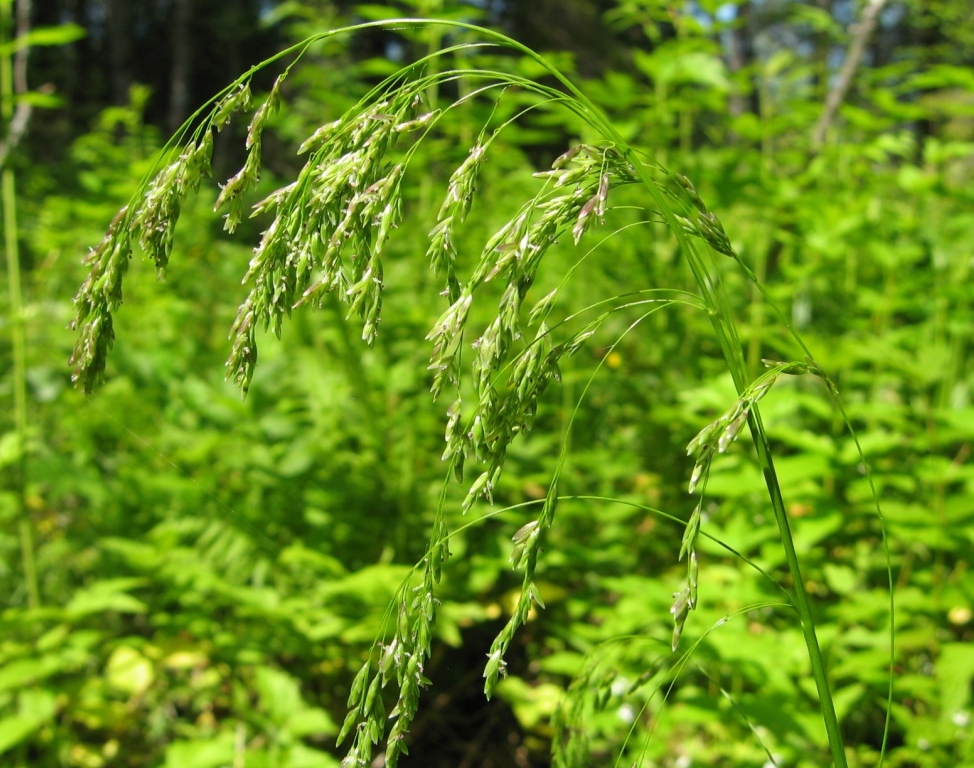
<point x="327" y="234"/>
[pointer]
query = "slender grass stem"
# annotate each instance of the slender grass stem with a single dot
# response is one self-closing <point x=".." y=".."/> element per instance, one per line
<point x="19" y="344"/>
<point x="18" y="328"/>
<point x="757" y="312"/>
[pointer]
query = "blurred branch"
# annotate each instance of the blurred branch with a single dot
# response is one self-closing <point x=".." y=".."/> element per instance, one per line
<point x="17" y="123"/>
<point x="861" y="32"/>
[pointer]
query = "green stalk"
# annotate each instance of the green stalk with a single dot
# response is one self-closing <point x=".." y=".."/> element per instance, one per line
<point x="757" y="311"/>
<point x="17" y="326"/>
<point x="19" y="343"/>
<point x="731" y="347"/>
<point x="767" y="139"/>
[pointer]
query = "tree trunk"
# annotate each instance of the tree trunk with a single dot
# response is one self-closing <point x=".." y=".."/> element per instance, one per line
<point x="181" y="64"/>
<point x="120" y="34"/>
<point x="740" y="55"/>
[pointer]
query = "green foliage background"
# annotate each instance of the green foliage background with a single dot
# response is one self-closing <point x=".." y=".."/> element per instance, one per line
<point x="213" y="571"/>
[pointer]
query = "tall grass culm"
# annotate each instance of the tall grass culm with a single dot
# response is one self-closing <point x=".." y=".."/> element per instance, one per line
<point x="8" y="200"/>
<point x="326" y="236"/>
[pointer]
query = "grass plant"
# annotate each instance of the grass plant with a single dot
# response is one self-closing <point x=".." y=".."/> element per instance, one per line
<point x="325" y="241"/>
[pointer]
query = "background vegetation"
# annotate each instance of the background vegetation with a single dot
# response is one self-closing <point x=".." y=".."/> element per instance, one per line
<point x="192" y="580"/>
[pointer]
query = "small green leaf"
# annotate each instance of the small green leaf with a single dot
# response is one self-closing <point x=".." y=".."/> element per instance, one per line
<point x="104" y="596"/>
<point x="35" y="708"/>
<point x="59" y="35"/>
<point x="40" y="100"/>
